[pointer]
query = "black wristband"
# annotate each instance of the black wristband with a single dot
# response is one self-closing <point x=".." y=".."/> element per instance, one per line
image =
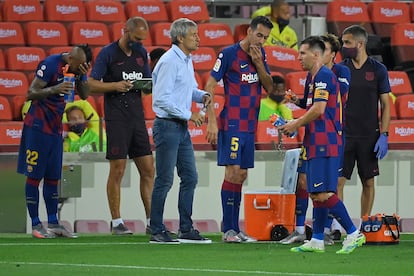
<point x="385" y="133"/>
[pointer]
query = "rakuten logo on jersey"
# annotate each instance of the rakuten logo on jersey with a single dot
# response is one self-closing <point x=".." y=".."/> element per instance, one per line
<point x="4" y="33"/>
<point x="189" y="9"/>
<point x="351" y="10"/>
<point x="132" y="75"/>
<point x="28" y="58"/>
<point x="87" y="33"/>
<point x="43" y="33"/>
<point x="105" y="10"/>
<point x="14" y="133"/>
<point x="250" y="78"/>
<point x="391" y="12"/>
<point x="215" y="34"/>
<point x="64" y="9"/>
<point x="283" y="56"/>
<point x="24" y="9"/>
<point x="396" y="81"/>
<point x="8" y="83"/>
<point x="148" y="9"/>
<point x="409" y="34"/>
<point x="404" y="131"/>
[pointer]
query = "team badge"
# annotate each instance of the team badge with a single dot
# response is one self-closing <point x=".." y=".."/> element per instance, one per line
<point x="369" y="76"/>
<point x="140" y="61"/>
<point x="217" y="65"/>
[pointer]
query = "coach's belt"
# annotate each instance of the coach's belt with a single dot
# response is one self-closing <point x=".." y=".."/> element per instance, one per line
<point x="175" y="120"/>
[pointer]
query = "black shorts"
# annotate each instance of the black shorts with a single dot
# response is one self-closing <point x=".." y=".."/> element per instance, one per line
<point x="361" y="151"/>
<point x="127" y="138"/>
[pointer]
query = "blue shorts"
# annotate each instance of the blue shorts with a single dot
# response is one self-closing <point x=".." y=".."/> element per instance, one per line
<point x="40" y="154"/>
<point x="322" y="174"/>
<point x="235" y="148"/>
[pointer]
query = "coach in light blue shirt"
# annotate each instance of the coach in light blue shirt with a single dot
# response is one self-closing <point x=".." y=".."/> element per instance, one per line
<point x="174" y="89"/>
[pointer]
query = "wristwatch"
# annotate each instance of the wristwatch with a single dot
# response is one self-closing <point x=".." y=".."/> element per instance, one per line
<point x="385" y="133"/>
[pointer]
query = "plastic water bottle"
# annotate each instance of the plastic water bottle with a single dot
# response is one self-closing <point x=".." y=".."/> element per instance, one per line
<point x="70" y="78"/>
<point x="278" y="121"/>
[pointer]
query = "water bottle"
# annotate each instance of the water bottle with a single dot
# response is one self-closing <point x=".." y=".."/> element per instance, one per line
<point x="70" y="78"/>
<point x="278" y="121"/>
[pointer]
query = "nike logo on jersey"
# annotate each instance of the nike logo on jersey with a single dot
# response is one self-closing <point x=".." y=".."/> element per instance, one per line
<point x="59" y="79"/>
<point x="244" y="66"/>
<point x="316" y="185"/>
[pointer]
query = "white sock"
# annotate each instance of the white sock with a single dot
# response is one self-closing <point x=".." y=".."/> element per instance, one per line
<point x="148" y="221"/>
<point x="300" y="229"/>
<point x="116" y="222"/>
<point x="336" y="225"/>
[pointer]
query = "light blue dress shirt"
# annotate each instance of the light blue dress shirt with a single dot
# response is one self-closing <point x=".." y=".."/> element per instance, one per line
<point x="174" y="85"/>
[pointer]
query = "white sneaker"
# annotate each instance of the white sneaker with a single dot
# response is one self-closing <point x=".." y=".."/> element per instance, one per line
<point x="245" y="238"/>
<point x="328" y="240"/>
<point x="231" y="236"/>
<point x="351" y="242"/>
<point x="310" y="246"/>
<point x="294" y="237"/>
<point x="58" y="230"/>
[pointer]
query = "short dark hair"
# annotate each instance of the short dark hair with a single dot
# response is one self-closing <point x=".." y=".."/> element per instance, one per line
<point x="261" y="20"/>
<point x="72" y="108"/>
<point x="358" y="32"/>
<point x="87" y="50"/>
<point x="315" y="43"/>
<point x="156" y="53"/>
<point x="333" y="40"/>
<point x="278" y="79"/>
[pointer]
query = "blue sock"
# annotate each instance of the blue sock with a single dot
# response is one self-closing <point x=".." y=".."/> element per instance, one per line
<point x="329" y="221"/>
<point x="338" y="210"/>
<point x="302" y="201"/>
<point x="229" y="193"/>
<point x="50" y="194"/>
<point x="236" y="210"/>
<point x="320" y="214"/>
<point x="32" y="199"/>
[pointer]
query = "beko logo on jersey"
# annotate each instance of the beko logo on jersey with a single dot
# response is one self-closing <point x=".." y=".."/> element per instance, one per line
<point x="132" y="76"/>
<point x="320" y="85"/>
<point x="250" y="78"/>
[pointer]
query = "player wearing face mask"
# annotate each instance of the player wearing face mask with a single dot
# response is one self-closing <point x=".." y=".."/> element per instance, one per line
<point x="275" y="102"/>
<point x="281" y="34"/>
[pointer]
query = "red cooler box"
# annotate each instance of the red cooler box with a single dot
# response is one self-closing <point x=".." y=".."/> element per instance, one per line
<point x="269" y="215"/>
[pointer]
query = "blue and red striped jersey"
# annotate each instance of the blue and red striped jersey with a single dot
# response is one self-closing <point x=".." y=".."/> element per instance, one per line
<point x="242" y="89"/>
<point x="323" y="135"/>
<point x="46" y="114"/>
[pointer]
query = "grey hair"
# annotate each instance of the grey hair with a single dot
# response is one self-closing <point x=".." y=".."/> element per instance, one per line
<point x="180" y="27"/>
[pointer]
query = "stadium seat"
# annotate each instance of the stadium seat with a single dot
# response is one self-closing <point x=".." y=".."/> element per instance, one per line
<point x="206" y="225"/>
<point x="400" y="83"/>
<point x="17" y="103"/>
<point x="24" y="58"/>
<point x="147" y="107"/>
<point x="160" y="33"/>
<point x="195" y="10"/>
<point x="12" y="34"/>
<point x="216" y="35"/>
<point x="91" y="226"/>
<point x="219" y="89"/>
<point x="10" y="132"/>
<point x="151" y="10"/>
<point x="268" y="134"/>
<point x="385" y="14"/>
<point x="59" y="50"/>
<point x="46" y="34"/>
<point x="240" y="31"/>
<point x="218" y="105"/>
<point x="22" y="10"/>
<point x="92" y="33"/>
<point x="199" y="80"/>
<point x="341" y="14"/>
<point x="104" y="11"/>
<point x="2" y="60"/>
<point x="402" y="43"/>
<point x="64" y="10"/>
<point x="135" y="225"/>
<point x="295" y="81"/>
<point x="400" y="131"/>
<point x="13" y="83"/>
<point x="203" y="59"/>
<point x="282" y="60"/>
<point x="412" y="11"/>
<point x="198" y="134"/>
<point x="6" y="113"/>
<point x="117" y="30"/>
<point x="404" y="105"/>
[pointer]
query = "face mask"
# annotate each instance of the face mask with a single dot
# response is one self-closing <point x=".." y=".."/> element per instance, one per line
<point x="277" y="98"/>
<point x="282" y="22"/>
<point x="78" y="128"/>
<point x="134" y="46"/>
<point x="349" y="52"/>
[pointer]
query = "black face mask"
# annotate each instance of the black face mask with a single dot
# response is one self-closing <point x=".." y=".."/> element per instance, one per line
<point x="282" y="22"/>
<point x="78" y="128"/>
<point x="277" y="98"/>
<point x="133" y="45"/>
